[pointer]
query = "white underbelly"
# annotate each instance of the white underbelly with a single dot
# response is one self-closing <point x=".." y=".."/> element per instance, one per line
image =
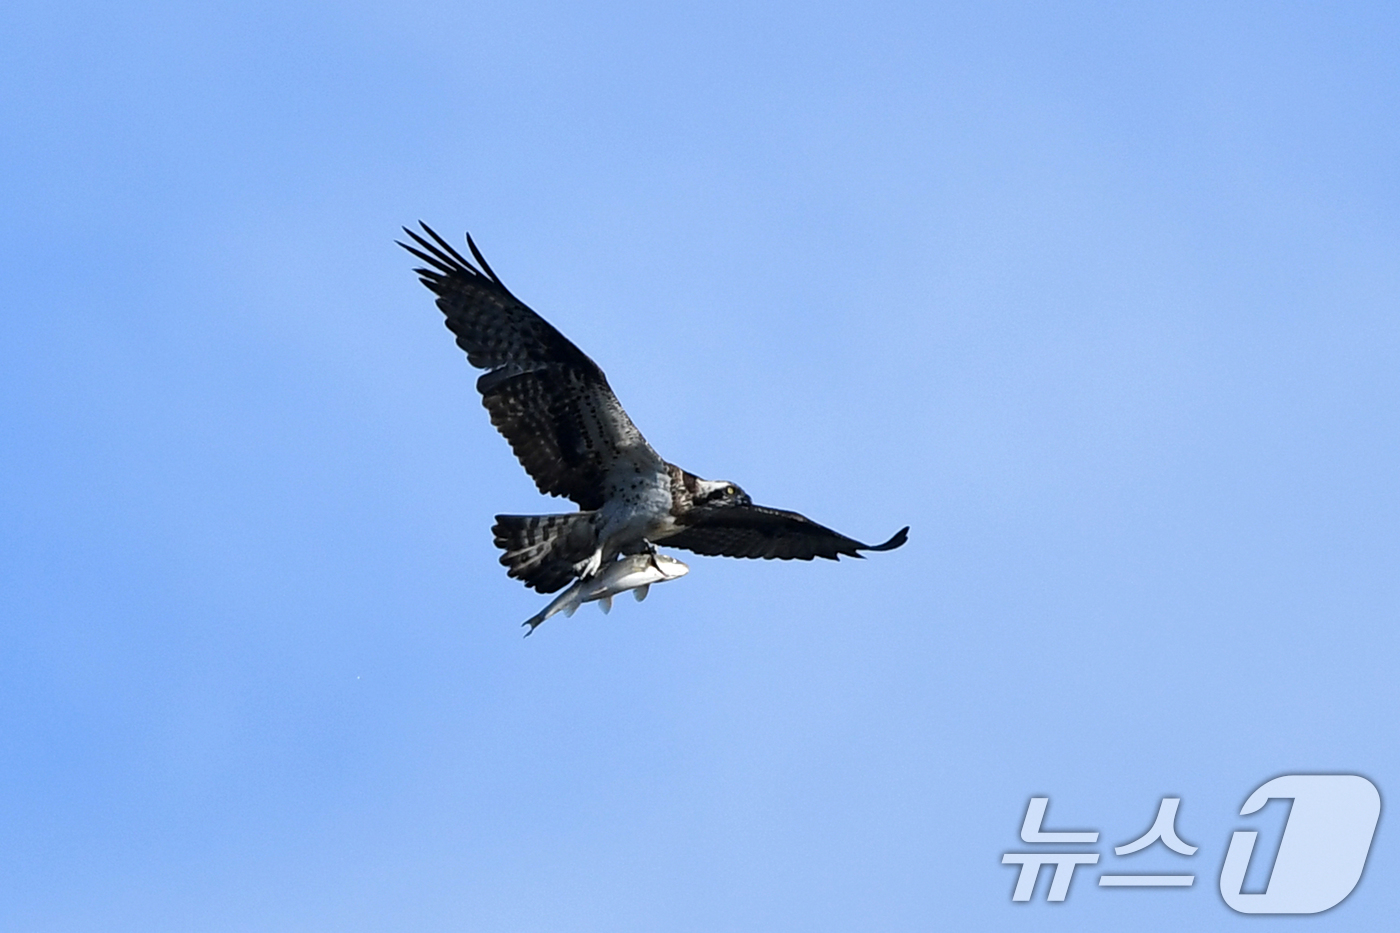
<point x="639" y="508"/>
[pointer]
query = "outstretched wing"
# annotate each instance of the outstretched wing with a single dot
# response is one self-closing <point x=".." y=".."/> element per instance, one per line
<point x="550" y="401"/>
<point x="756" y="531"/>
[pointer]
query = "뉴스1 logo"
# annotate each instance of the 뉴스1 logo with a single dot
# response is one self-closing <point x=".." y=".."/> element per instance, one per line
<point x="1319" y="862"/>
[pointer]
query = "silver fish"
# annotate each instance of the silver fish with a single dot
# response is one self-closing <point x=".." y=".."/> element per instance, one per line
<point x="636" y="572"/>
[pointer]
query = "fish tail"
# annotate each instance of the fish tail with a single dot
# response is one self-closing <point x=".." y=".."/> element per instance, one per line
<point x="534" y="621"/>
<point x="565" y="602"/>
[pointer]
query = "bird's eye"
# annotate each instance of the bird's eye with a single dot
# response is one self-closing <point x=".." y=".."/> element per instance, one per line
<point x="730" y="490"/>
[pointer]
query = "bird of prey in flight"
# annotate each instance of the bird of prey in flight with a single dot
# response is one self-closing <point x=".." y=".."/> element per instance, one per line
<point x="553" y="405"/>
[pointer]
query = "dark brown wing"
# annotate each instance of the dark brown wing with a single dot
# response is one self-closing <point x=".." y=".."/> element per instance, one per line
<point x="756" y="531"/>
<point x="550" y="401"/>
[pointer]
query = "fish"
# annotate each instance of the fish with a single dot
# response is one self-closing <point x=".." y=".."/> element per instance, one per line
<point x="636" y="572"/>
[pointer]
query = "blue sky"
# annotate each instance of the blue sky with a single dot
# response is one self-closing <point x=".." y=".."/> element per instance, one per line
<point x="1100" y="299"/>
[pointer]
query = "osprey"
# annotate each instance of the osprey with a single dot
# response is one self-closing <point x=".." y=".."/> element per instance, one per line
<point x="553" y="405"/>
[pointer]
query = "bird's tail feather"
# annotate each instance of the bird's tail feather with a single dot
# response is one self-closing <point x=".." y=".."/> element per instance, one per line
<point x="542" y="550"/>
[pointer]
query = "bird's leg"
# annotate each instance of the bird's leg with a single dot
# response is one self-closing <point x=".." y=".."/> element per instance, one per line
<point x="587" y="568"/>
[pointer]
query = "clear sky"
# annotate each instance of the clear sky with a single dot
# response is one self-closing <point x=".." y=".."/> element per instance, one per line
<point x="1103" y="300"/>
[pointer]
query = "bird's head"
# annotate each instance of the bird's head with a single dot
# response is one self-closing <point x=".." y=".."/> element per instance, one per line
<point x="719" y="492"/>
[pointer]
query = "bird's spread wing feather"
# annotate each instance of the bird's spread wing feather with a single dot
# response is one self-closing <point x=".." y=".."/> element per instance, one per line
<point x="550" y="401"/>
<point x="756" y="531"/>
